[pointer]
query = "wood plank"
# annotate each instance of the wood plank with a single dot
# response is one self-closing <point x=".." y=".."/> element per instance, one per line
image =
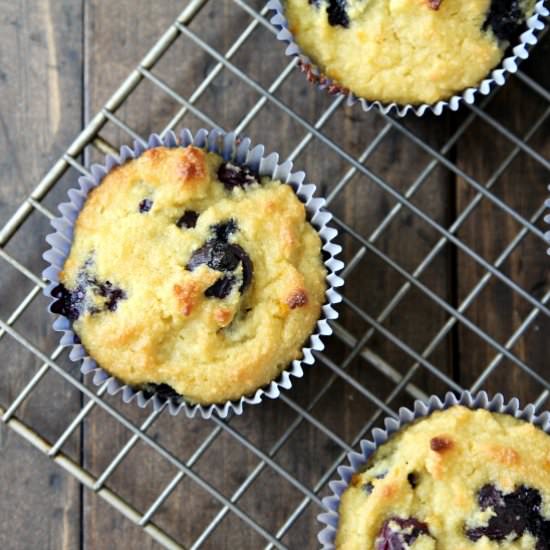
<point x="499" y="310"/>
<point x="40" y="112"/>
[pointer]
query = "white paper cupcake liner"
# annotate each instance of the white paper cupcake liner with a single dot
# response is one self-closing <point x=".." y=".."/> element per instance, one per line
<point x="420" y="409"/>
<point x="497" y="76"/>
<point x="230" y="147"/>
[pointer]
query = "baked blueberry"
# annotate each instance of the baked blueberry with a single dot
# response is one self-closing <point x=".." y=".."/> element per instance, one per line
<point x="513" y="514"/>
<point x="336" y="11"/>
<point x="224" y="257"/>
<point x="112" y="294"/>
<point x="506" y="19"/>
<point x="188" y="219"/>
<point x="223" y="230"/>
<point x="413" y="480"/>
<point x="68" y="303"/>
<point x="337" y="14"/>
<point x="368" y="487"/>
<point x="217" y="255"/>
<point x="399" y="534"/>
<point x="72" y="303"/>
<point x="221" y="288"/>
<point x="145" y="205"/>
<point x="233" y="176"/>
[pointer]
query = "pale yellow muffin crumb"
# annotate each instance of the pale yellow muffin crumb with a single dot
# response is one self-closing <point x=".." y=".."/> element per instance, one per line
<point x="148" y="309"/>
<point x="433" y="471"/>
<point x="403" y="51"/>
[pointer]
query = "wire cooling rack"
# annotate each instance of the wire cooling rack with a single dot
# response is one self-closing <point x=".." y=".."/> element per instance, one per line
<point x="408" y="325"/>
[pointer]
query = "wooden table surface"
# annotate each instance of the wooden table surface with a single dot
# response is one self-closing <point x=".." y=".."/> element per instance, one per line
<point x="59" y="62"/>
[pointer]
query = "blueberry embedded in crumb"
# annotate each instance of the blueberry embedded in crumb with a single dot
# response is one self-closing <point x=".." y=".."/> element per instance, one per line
<point x="68" y="303"/>
<point x="507" y="20"/>
<point x="188" y="219"/>
<point x="73" y="303"/>
<point x="489" y="496"/>
<point x="112" y="293"/>
<point x="368" y="487"/>
<point x="224" y="257"/>
<point x="399" y="533"/>
<point x="337" y="14"/>
<point x="216" y="255"/>
<point x="223" y="230"/>
<point x="221" y="288"/>
<point x="233" y="176"/>
<point x="145" y="205"/>
<point x="248" y="268"/>
<point x="513" y="514"/>
<point x="413" y="479"/>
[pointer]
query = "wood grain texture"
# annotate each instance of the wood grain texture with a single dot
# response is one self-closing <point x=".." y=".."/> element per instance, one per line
<point x="115" y="36"/>
<point x="488" y="231"/>
<point x="40" y="112"/>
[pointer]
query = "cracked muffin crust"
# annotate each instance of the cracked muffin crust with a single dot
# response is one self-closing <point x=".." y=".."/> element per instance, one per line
<point x="406" y="51"/>
<point x="191" y="276"/>
<point x="455" y="480"/>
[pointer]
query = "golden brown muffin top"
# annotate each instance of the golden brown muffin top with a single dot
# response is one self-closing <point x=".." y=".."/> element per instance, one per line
<point x="456" y="480"/>
<point x="192" y="272"/>
<point x="406" y="51"/>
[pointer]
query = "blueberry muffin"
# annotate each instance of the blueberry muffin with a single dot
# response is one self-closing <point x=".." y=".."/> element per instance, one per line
<point x="406" y="51"/>
<point x="191" y="276"/>
<point x="456" y="480"/>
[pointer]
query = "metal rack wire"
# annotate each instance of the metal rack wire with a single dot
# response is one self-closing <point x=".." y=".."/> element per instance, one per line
<point x="402" y="381"/>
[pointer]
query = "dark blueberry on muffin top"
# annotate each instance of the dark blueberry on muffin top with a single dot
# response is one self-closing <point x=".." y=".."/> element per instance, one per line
<point x="221" y="288"/>
<point x="506" y="19"/>
<point x="188" y="219"/>
<point x="233" y="176"/>
<point x="513" y="514"/>
<point x="400" y="533"/>
<point x="112" y="294"/>
<point x="218" y="254"/>
<point x="68" y="303"/>
<point x="72" y="303"/>
<point x="222" y="231"/>
<point x="145" y="205"/>
<point x="337" y="14"/>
